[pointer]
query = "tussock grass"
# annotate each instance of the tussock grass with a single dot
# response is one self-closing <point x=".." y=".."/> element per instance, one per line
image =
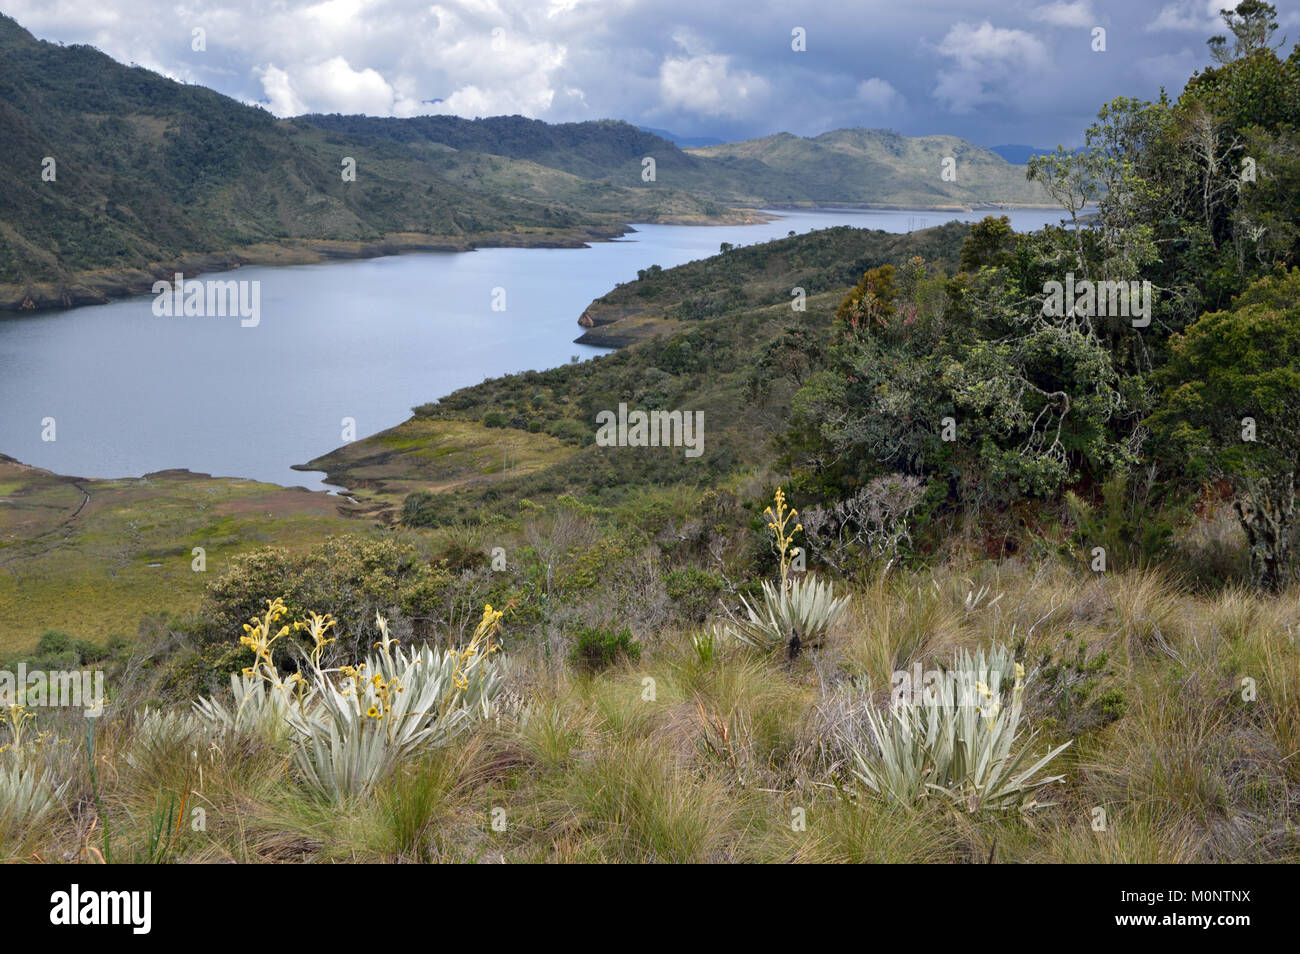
<point x="1183" y="708"/>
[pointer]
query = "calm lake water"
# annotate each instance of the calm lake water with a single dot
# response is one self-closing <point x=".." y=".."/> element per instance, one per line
<point x="132" y="393"/>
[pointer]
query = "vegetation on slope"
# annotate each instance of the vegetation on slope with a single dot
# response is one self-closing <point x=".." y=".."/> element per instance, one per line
<point x="148" y="171"/>
<point x="866" y="166"/>
<point x="709" y="333"/>
<point x="878" y="166"/>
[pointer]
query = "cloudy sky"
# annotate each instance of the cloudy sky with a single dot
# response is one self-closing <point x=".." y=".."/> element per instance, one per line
<point x="1010" y="71"/>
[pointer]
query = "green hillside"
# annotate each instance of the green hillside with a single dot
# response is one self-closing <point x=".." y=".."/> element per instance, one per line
<point x="879" y="166"/>
<point x="711" y="335"/>
<point x="868" y="166"/>
<point x="149" y="171"/>
<point x="607" y="151"/>
<point x="116" y="176"/>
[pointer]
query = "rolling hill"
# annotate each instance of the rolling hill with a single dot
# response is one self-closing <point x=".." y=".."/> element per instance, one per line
<point x="116" y="176"/>
<point x="850" y="166"/>
<point x="878" y="166"/>
<point x="148" y="174"/>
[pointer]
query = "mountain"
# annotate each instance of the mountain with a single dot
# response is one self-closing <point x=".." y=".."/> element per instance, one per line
<point x="859" y="166"/>
<point x="116" y="176"/>
<point x="879" y="166"/>
<point x="608" y="151"/>
<point x="684" y="142"/>
<point x="149" y="174"/>
<point x="1019" y="155"/>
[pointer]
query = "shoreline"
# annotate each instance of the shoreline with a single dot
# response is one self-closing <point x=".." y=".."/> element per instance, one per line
<point x="103" y="286"/>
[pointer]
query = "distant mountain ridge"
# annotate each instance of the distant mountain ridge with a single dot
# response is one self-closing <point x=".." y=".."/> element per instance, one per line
<point x="880" y="166"/>
<point x="684" y="142"/>
<point x="149" y="174"/>
<point x="857" y="166"/>
<point x="1020" y="155"/>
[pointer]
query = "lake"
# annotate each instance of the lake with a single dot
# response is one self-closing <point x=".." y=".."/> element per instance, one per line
<point x="131" y="392"/>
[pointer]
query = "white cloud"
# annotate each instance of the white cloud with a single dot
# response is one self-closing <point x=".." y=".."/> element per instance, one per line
<point x="332" y="87"/>
<point x="280" y="97"/>
<point x="705" y="83"/>
<point x="989" y="64"/>
<point x="730" y="74"/>
<point x="1198" y="16"/>
<point x="497" y="68"/>
<point x="1065" y="14"/>
<point x="879" y="95"/>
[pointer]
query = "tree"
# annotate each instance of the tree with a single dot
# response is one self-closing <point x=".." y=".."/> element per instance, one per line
<point x="991" y="243"/>
<point x="995" y="401"/>
<point x="1252" y="25"/>
<point x="1070" y="177"/>
<point x="1231" y="409"/>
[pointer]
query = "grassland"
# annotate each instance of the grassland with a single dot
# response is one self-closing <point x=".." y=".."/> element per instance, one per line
<point x="435" y="456"/>
<point x="92" y="557"/>
<point x="1169" y="764"/>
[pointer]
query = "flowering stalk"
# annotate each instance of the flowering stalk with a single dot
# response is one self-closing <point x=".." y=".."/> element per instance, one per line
<point x="778" y="521"/>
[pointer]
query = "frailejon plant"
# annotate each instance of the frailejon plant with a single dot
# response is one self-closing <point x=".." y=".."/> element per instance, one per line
<point x="958" y="742"/>
<point x="348" y="727"/>
<point x="28" y="791"/>
<point x="27" y="794"/>
<point x="796" y="616"/>
<point x="360" y="728"/>
<point x="794" y="613"/>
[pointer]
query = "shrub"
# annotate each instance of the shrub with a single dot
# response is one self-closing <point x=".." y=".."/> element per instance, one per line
<point x="351" y="578"/>
<point x="595" y="649"/>
<point x="460" y="556"/>
<point x="695" y="591"/>
<point x="58" y="650"/>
